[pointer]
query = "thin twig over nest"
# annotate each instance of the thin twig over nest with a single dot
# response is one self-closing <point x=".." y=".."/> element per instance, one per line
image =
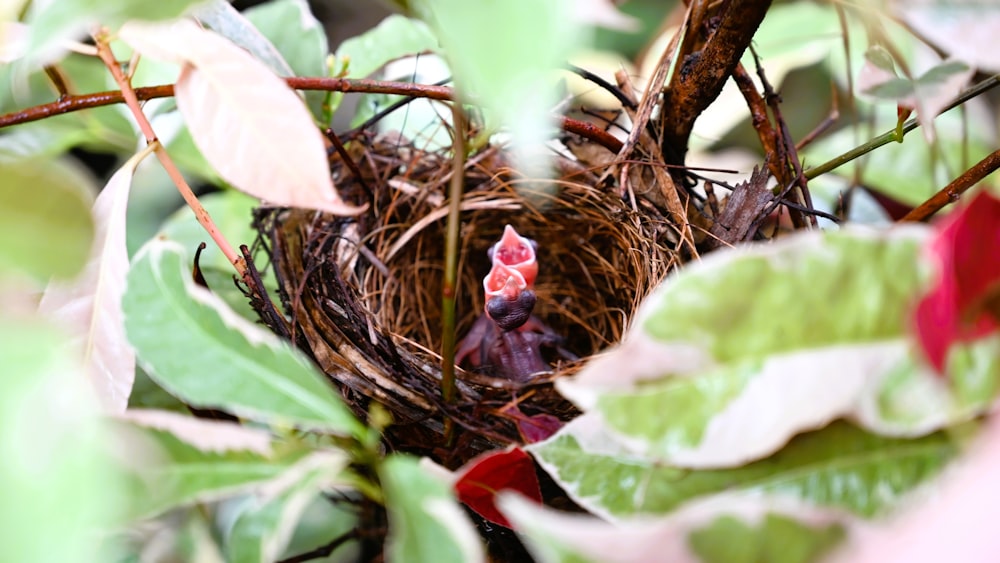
<point x="364" y="294"/>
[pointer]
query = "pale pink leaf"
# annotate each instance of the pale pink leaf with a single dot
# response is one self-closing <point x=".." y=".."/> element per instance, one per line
<point x="604" y="13"/>
<point x="206" y="435"/>
<point x="964" y="29"/>
<point x="90" y="306"/>
<point x="250" y="126"/>
<point x="877" y="69"/>
<point x="936" y="89"/>
<point x="14" y="38"/>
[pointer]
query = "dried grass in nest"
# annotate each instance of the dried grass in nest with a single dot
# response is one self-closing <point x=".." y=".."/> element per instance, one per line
<point x="364" y="294"/>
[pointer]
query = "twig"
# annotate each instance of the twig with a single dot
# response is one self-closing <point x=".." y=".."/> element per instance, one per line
<point x="592" y="132"/>
<point x="951" y="192"/>
<point x="68" y="104"/>
<point x="788" y="153"/>
<point x="701" y="75"/>
<point x="323" y="550"/>
<point x="351" y="165"/>
<point x="610" y="88"/>
<point x="57" y="79"/>
<point x="104" y="52"/>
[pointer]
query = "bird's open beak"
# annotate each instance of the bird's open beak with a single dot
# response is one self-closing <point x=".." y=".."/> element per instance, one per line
<point x="516" y="252"/>
<point x="509" y="300"/>
<point x="503" y="281"/>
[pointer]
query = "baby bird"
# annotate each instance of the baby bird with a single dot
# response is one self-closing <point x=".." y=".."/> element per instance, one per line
<point x="506" y="340"/>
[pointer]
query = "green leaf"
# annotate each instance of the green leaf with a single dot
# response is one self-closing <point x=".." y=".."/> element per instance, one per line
<point x="45" y="224"/>
<point x="262" y="531"/>
<point x="425" y="521"/>
<point x="299" y="37"/>
<point x="893" y="89"/>
<point x="777" y="540"/>
<point x="838" y="466"/>
<point x="57" y="479"/>
<point x="176" y="473"/>
<point x="55" y="22"/>
<point x="495" y="66"/>
<point x="395" y="37"/>
<point x="220" y="16"/>
<point x="41" y="139"/>
<point x="727" y="527"/>
<point x="873" y="277"/>
<point x="881" y="58"/>
<point x="232" y="212"/>
<point x="196" y="348"/>
<point x="738" y="378"/>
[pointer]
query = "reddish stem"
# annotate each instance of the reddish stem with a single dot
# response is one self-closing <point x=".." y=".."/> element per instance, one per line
<point x="67" y="104"/>
<point x="130" y="98"/>
<point x="951" y="192"/>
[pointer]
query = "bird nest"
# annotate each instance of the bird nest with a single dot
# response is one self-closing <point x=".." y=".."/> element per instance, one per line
<point x="363" y="295"/>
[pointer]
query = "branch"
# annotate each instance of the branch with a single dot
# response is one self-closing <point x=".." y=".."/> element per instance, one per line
<point x="951" y="192"/>
<point x="701" y="75"/>
<point x="68" y="104"/>
<point x="128" y="94"/>
<point x="892" y="135"/>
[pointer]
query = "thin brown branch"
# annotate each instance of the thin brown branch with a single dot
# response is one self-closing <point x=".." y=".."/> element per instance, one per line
<point x="58" y="80"/>
<point x="592" y="132"/>
<point x="128" y="94"/>
<point x="788" y="153"/>
<point x="68" y="104"/>
<point x="953" y="191"/>
<point x="758" y="116"/>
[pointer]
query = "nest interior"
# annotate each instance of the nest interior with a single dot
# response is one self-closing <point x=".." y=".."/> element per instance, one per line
<point x="364" y="293"/>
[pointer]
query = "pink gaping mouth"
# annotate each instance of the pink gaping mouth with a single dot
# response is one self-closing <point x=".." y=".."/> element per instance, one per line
<point x="503" y="281"/>
<point x="516" y="252"/>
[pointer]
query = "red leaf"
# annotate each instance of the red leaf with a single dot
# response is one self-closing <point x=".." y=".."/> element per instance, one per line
<point x="538" y="427"/>
<point x="486" y="475"/>
<point x="967" y="251"/>
<point x="533" y="428"/>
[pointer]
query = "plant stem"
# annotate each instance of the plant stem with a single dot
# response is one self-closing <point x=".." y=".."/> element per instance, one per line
<point x="896" y="134"/>
<point x="128" y="94"/>
<point x="951" y="192"/>
<point x="449" y="290"/>
<point x="68" y="104"/>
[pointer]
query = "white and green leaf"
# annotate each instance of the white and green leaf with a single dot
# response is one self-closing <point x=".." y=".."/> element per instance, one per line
<point x="729" y="528"/>
<point x="736" y="354"/>
<point x="199" y="350"/>
<point x="840" y="466"/>
<point x="176" y="471"/>
<point x="254" y="130"/>
<point x="232" y="212"/>
<point x="425" y="521"/>
<point x="265" y="526"/>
